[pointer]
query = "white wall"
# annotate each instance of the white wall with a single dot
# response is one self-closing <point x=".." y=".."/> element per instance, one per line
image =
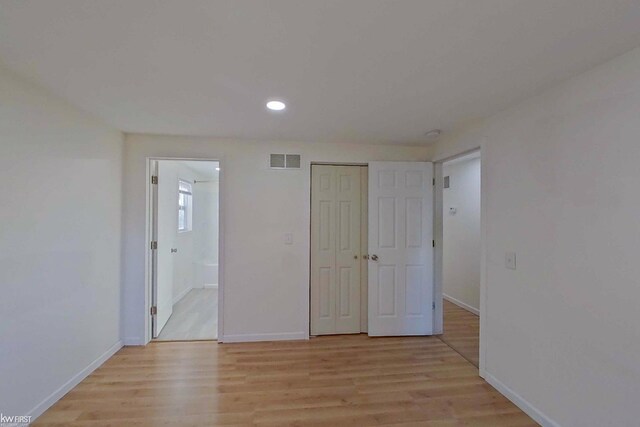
<point x="200" y="243"/>
<point x="266" y="288"/>
<point x="60" y="212"/>
<point x="205" y="240"/>
<point x="183" y="268"/>
<point x="461" y="232"/>
<point x="561" y="178"/>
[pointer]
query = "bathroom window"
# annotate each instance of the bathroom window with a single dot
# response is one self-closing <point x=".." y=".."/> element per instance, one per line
<point x="185" y="205"/>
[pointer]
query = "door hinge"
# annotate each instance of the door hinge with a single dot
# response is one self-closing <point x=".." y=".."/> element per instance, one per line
<point x="434" y="182"/>
<point x="154" y="310"/>
<point x="154" y="179"/>
<point x="433" y="243"/>
<point x="154" y="244"/>
<point x="433" y="305"/>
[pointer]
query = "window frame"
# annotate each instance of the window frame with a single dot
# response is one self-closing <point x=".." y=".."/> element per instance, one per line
<point x="185" y="191"/>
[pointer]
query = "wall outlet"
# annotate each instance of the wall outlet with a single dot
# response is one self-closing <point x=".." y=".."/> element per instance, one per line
<point x="288" y="238"/>
<point x="510" y="260"/>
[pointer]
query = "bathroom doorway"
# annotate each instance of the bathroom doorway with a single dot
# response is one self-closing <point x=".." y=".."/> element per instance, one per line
<point x="185" y="225"/>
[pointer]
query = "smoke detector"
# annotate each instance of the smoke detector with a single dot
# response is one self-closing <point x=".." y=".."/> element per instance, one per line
<point x="433" y="134"/>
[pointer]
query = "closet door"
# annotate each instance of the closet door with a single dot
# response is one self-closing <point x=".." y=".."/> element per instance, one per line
<point x="335" y="249"/>
<point x="323" y="250"/>
<point x="400" y="248"/>
<point x="347" y="249"/>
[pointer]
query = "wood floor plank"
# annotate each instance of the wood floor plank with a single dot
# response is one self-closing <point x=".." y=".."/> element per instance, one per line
<point x="329" y="381"/>
<point x="461" y="331"/>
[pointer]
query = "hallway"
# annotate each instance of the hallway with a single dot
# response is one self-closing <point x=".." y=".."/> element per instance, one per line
<point x="195" y="317"/>
<point x="461" y="331"/>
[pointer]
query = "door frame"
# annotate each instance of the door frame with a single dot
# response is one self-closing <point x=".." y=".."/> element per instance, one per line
<point x="438" y="235"/>
<point x="361" y="164"/>
<point x="150" y="220"/>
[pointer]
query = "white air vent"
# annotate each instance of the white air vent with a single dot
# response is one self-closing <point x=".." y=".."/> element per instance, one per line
<point x="284" y="161"/>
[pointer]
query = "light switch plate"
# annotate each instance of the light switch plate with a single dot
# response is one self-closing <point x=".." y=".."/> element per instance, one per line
<point x="288" y="238"/>
<point x="510" y="260"/>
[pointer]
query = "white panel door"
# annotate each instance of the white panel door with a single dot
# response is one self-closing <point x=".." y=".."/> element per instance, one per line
<point x="335" y="250"/>
<point x="167" y="221"/>
<point x="348" y="249"/>
<point x="323" y="250"/>
<point x="364" y="246"/>
<point x="400" y="248"/>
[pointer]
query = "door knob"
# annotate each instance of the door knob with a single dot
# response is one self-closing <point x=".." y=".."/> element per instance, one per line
<point x="174" y="250"/>
<point x="374" y="257"/>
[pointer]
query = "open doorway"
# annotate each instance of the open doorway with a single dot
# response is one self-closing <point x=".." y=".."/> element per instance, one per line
<point x="461" y="254"/>
<point x="185" y="223"/>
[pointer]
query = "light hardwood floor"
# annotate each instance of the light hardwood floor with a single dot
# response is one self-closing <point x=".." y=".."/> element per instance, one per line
<point x="461" y="331"/>
<point x="195" y="317"/>
<point x="350" y="380"/>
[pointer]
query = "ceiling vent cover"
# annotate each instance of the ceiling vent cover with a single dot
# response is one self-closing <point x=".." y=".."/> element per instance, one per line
<point x="284" y="161"/>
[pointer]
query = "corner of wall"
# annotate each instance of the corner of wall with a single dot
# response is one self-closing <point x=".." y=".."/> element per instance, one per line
<point x="519" y="401"/>
<point x="41" y="407"/>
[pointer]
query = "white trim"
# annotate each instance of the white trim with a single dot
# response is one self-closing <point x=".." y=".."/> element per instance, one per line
<point x="520" y="402"/>
<point x="438" y="238"/>
<point x="222" y="205"/>
<point x="210" y="286"/>
<point x="41" y="407"/>
<point x="461" y="304"/>
<point x="481" y="146"/>
<point x="287" y="336"/>
<point x="148" y="252"/>
<point x="484" y="298"/>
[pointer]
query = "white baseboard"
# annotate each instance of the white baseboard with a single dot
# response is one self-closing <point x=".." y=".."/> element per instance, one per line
<point x="210" y="286"/>
<point x="74" y="381"/>
<point x="288" y="336"/>
<point x="181" y="295"/>
<point x="526" y="407"/>
<point x="461" y="304"/>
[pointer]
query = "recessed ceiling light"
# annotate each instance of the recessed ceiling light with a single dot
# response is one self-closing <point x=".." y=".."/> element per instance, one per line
<point x="275" y="105"/>
<point x="433" y="134"/>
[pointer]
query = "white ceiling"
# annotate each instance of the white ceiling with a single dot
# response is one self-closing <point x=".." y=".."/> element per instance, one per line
<point x="204" y="168"/>
<point x="463" y="158"/>
<point x="351" y="70"/>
